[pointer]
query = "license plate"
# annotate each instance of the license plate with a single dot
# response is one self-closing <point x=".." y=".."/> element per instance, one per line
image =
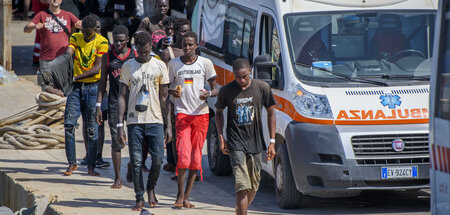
<point x="399" y="172"/>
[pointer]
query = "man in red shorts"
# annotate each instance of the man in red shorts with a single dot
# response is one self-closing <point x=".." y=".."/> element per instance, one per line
<point x="188" y="74"/>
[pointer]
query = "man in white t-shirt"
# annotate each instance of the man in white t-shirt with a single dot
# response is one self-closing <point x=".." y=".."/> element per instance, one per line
<point x="188" y="75"/>
<point x="146" y="79"/>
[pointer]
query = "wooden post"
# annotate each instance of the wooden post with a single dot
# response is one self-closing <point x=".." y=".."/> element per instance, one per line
<point x="5" y="35"/>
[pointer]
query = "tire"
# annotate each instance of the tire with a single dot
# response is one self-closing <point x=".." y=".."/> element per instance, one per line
<point x="219" y="163"/>
<point x="287" y="195"/>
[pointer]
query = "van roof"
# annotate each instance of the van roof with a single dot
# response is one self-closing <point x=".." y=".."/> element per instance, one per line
<point x="321" y="5"/>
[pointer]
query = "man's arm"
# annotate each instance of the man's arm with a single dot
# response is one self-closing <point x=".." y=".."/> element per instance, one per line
<point x="123" y="90"/>
<point x="166" y="110"/>
<point x="165" y="56"/>
<point x="70" y="50"/>
<point x="93" y="71"/>
<point x="31" y="26"/>
<point x="219" y="124"/>
<point x="213" y="92"/>
<point x="271" y="121"/>
<point x="101" y="91"/>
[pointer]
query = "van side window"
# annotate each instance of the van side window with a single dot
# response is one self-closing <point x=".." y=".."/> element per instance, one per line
<point x="269" y="40"/>
<point x="212" y="23"/>
<point x="239" y="33"/>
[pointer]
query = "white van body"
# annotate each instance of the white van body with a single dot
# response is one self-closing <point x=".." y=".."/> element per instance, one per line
<point x="440" y="115"/>
<point x="351" y="82"/>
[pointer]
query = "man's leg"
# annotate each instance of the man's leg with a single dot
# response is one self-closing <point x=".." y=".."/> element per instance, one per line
<point x="241" y="202"/>
<point x="71" y="115"/>
<point x="85" y="141"/>
<point x="239" y="163"/>
<point x="180" y="185"/>
<point x="116" y="147"/>
<point x="101" y="135"/>
<point x="154" y="134"/>
<point x="199" y="129"/>
<point x="184" y="148"/>
<point x="189" y="185"/>
<point x="135" y="139"/>
<point x="254" y="173"/>
<point x="89" y="99"/>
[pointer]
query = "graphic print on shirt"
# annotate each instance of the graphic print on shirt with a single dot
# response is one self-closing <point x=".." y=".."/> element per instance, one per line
<point x="245" y="111"/>
<point x="52" y="26"/>
<point x="188" y="80"/>
<point x="157" y="35"/>
<point x="87" y="61"/>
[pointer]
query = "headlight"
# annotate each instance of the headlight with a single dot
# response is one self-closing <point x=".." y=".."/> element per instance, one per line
<point x="312" y="105"/>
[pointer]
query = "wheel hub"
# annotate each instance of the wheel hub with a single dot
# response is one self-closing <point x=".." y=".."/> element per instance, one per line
<point x="279" y="176"/>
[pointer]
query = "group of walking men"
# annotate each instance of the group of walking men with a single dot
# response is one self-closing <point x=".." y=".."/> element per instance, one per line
<point x="140" y="89"/>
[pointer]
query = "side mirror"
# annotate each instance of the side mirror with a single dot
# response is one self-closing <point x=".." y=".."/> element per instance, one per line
<point x="264" y="70"/>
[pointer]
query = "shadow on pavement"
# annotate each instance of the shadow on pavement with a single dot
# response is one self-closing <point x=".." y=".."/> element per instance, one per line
<point x="22" y="62"/>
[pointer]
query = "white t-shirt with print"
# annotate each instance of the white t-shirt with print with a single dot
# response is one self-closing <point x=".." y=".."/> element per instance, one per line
<point x="192" y="78"/>
<point x="134" y="75"/>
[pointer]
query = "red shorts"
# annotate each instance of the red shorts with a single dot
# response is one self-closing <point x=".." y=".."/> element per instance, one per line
<point x="191" y="133"/>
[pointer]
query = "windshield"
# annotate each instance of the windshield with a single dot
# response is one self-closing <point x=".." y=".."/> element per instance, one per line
<point x="345" y="46"/>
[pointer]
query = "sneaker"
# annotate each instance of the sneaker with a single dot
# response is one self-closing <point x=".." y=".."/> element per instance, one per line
<point x="84" y="161"/>
<point x="100" y="163"/>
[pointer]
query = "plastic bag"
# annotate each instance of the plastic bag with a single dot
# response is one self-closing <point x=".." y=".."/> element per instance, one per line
<point x="7" y="77"/>
<point x="142" y="99"/>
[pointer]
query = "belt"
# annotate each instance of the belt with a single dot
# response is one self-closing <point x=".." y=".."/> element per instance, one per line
<point x="83" y="84"/>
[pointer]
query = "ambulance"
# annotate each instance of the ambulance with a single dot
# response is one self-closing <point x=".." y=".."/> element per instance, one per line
<point x="440" y="114"/>
<point x="351" y="83"/>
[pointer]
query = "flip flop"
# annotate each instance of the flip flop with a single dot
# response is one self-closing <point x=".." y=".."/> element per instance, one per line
<point x="70" y="170"/>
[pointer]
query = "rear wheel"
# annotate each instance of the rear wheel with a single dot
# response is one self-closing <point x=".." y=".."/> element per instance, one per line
<point x="218" y="162"/>
<point x="288" y="196"/>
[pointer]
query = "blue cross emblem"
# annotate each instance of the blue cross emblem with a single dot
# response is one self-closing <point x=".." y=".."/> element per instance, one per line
<point x="390" y="100"/>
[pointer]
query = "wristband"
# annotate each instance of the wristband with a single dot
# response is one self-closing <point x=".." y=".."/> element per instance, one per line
<point x="119" y="125"/>
<point x="272" y="140"/>
<point x="209" y="93"/>
<point x="98" y="104"/>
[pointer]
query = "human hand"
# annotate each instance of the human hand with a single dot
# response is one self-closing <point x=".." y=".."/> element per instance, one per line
<point x="39" y="26"/>
<point x="168" y="135"/>
<point x="204" y="94"/>
<point x="271" y="152"/>
<point x="223" y="146"/>
<point x="121" y="136"/>
<point x="99" y="116"/>
<point x="177" y="92"/>
<point x="165" y="43"/>
<point x="78" y="24"/>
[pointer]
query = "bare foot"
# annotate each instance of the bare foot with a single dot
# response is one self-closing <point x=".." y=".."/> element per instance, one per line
<point x="179" y="202"/>
<point x="187" y="204"/>
<point x="139" y="205"/>
<point x="129" y="175"/>
<point x="92" y="172"/>
<point x="152" y="201"/>
<point x="70" y="169"/>
<point x="117" y="184"/>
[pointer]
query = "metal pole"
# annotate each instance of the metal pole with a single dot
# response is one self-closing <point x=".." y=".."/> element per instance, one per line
<point x="5" y="35"/>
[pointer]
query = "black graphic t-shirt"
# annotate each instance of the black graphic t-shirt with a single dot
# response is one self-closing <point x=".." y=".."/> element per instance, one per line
<point x="114" y="65"/>
<point x="244" y="128"/>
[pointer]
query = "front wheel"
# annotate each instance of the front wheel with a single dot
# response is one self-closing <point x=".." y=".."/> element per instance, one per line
<point x="218" y="162"/>
<point x="288" y="196"/>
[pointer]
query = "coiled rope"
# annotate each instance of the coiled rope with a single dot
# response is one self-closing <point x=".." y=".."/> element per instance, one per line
<point x="38" y="127"/>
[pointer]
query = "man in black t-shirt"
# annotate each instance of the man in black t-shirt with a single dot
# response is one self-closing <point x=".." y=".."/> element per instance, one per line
<point x="118" y="54"/>
<point x="245" y="98"/>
